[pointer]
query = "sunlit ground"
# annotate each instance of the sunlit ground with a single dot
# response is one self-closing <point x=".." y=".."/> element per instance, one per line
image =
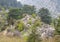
<point x="10" y="39"/>
<point x="16" y="39"/>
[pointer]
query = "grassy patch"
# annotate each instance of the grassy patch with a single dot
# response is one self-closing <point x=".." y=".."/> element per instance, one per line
<point x="10" y="39"/>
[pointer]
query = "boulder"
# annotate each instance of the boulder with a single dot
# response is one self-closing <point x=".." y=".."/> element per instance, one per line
<point x="46" y="31"/>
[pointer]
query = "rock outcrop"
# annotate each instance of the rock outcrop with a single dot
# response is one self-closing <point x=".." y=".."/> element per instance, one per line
<point x="46" y="31"/>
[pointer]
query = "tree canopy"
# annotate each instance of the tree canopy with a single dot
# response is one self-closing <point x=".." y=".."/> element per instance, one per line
<point x="45" y="15"/>
<point x="28" y="9"/>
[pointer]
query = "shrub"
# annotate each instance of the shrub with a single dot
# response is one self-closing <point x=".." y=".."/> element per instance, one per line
<point x="33" y="37"/>
<point x="20" y="26"/>
<point x="33" y="15"/>
<point x="57" y="26"/>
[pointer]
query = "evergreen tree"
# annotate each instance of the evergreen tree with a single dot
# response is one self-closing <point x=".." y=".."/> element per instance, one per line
<point x="28" y="9"/>
<point x="45" y="15"/>
<point x="14" y="14"/>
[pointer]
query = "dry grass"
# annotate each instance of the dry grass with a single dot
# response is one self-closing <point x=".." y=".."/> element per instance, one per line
<point x="54" y="39"/>
<point x="49" y="40"/>
<point x="10" y="39"/>
<point x="16" y="39"/>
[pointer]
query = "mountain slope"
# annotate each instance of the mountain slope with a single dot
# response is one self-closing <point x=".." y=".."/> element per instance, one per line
<point x="52" y="5"/>
<point x="10" y="3"/>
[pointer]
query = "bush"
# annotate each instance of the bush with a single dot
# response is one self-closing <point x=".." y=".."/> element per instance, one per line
<point x="37" y="23"/>
<point x="33" y="37"/>
<point x="20" y="26"/>
<point x="57" y="26"/>
<point x="33" y="15"/>
<point x="30" y="22"/>
<point x="15" y="13"/>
